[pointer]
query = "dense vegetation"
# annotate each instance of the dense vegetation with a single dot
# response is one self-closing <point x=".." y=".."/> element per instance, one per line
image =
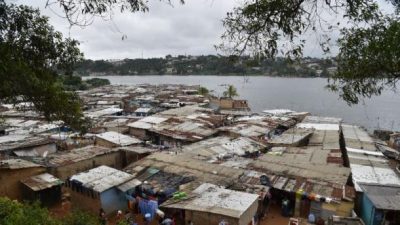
<point x="16" y="213"/>
<point x="74" y="83"/>
<point x="33" y="59"/>
<point x="208" y="65"/>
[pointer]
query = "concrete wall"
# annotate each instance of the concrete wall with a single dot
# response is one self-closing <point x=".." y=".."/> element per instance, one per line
<point x="131" y="157"/>
<point x="367" y="211"/>
<point x="113" y="200"/>
<point x="226" y="103"/>
<point x="10" y="185"/>
<point x="121" y="129"/>
<point x="105" y="143"/>
<point x="248" y="215"/>
<point x="113" y="159"/>
<point x="84" y="201"/>
<point x="110" y="200"/>
<point x="48" y="197"/>
<point x="205" y="218"/>
<point x="139" y="133"/>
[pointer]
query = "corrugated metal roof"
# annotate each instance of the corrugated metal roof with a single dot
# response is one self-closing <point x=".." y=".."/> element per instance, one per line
<point x="42" y="181"/>
<point x="103" y="112"/>
<point x="185" y="165"/>
<point x="118" y="138"/>
<point x="322" y="120"/>
<point x="16" y="164"/>
<point x="291" y="137"/>
<point x="138" y="149"/>
<point x="101" y="178"/>
<point x="129" y="185"/>
<point x="213" y="199"/>
<point x="223" y="146"/>
<point x="383" y="197"/>
<point x="143" y="110"/>
<point x="78" y="154"/>
<point x="319" y="126"/>
<point x="373" y="175"/>
<point x="309" y="162"/>
<point x="153" y="119"/>
<point x="278" y="112"/>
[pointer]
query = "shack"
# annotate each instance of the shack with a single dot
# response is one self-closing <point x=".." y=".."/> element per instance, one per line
<point x="380" y="204"/>
<point x="65" y="164"/>
<point x="98" y="188"/>
<point x="14" y="170"/>
<point x="43" y="187"/>
<point x="210" y="204"/>
<point x="113" y="139"/>
<point x="25" y="145"/>
<point x="140" y="128"/>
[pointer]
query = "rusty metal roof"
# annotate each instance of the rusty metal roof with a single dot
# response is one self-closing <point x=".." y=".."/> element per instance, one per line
<point x="41" y="182"/>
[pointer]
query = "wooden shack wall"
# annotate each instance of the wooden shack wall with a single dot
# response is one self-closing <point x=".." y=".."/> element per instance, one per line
<point x="10" y="181"/>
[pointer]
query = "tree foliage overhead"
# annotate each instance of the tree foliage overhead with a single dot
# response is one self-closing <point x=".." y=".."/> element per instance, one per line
<point x="82" y="13"/>
<point x="369" y="53"/>
<point x="32" y="57"/>
<point x="369" y="61"/>
<point x="268" y="28"/>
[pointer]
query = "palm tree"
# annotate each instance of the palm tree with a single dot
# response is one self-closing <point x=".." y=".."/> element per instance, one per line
<point x="230" y="92"/>
<point x="203" y="91"/>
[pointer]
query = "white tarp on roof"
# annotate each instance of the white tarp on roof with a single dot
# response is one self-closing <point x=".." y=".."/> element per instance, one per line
<point x="278" y="112"/>
<point x="153" y="119"/>
<point x="214" y="199"/>
<point x="147" y="122"/>
<point x="364" y="152"/>
<point x="12" y="138"/>
<point x="118" y="138"/>
<point x="143" y="110"/>
<point x="319" y="126"/>
<point x="373" y="175"/>
<point x="102" y="178"/>
<point x="322" y="120"/>
<point x="103" y="112"/>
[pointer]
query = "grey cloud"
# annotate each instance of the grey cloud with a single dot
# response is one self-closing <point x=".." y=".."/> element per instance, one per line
<point x="193" y="28"/>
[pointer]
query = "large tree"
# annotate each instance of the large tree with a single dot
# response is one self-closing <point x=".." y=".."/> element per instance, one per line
<point x="369" y="50"/>
<point x="33" y="56"/>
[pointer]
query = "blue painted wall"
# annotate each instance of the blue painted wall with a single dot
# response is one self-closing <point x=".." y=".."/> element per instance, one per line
<point x="366" y="209"/>
<point x="369" y="214"/>
<point x="113" y="200"/>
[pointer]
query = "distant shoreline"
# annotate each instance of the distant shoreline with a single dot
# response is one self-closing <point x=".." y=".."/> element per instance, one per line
<point x="222" y="75"/>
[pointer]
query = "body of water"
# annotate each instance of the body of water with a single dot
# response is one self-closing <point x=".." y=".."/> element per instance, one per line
<point x="299" y="94"/>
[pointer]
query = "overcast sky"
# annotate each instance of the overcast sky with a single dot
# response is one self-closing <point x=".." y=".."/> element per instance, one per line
<point x="193" y="29"/>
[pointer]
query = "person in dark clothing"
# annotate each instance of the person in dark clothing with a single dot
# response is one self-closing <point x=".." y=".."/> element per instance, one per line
<point x="285" y="207"/>
<point x="102" y="217"/>
<point x="265" y="197"/>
